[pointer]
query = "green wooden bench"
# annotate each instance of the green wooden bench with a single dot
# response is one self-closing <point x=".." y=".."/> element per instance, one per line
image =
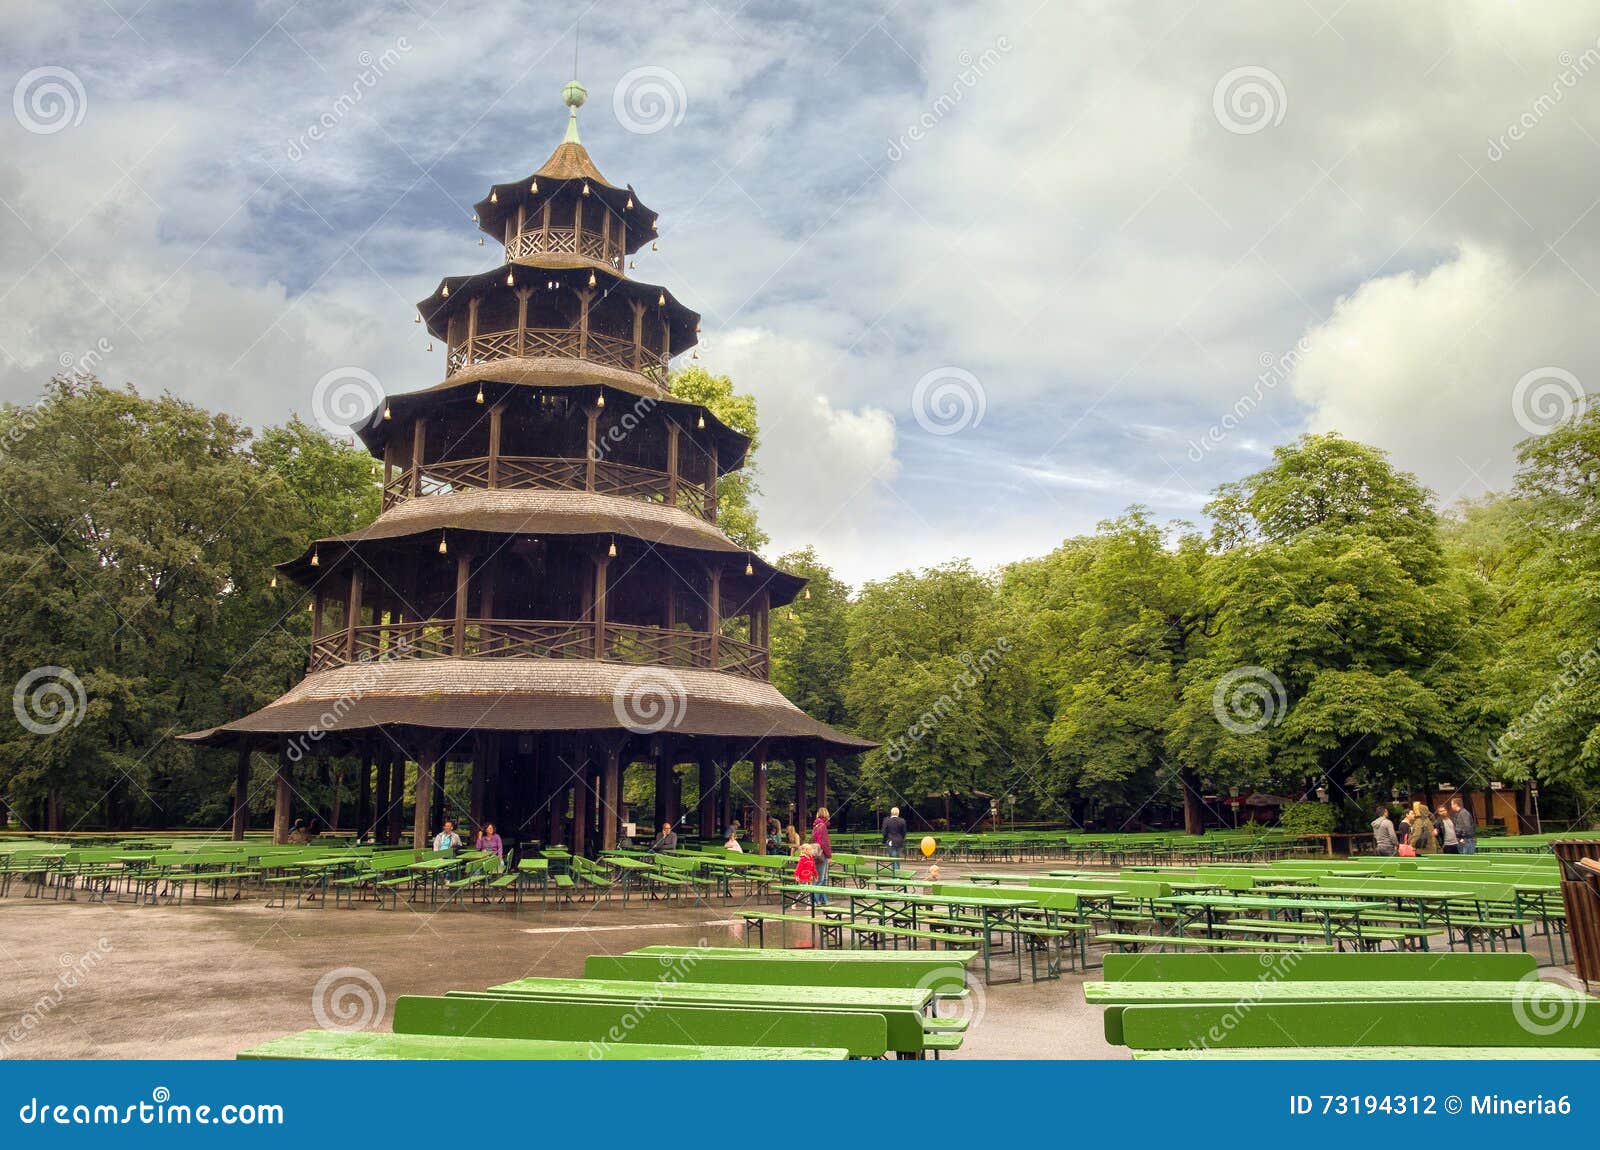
<point x="831" y="928"/>
<point x="1317" y="967"/>
<point x="336" y="1046"/>
<point x="1337" y="1024"/>
<point x="945" y="977"/>
<point x="864" y="1034"/>
<point x="1379" y="1053"/>
<point x="1188" y="942"/>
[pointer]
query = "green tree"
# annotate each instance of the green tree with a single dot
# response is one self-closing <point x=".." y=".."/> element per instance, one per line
<point x="735" y="491"/>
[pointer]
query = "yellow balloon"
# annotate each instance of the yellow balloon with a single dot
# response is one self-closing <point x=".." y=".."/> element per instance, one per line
<point x="928" y="846"/>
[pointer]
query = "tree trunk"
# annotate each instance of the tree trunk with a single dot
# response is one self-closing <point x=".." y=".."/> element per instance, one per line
<point x="1194" y="821"/>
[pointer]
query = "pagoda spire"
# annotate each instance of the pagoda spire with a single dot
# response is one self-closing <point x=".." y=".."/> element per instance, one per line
<point x="574" y="94"/>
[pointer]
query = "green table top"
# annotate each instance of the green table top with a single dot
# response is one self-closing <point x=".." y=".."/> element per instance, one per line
<point x="1376" y="1053"/>
<point x="1301" y="893"/>
<point x="1258" y="902"/>
<point x="722" y="993"/>
<point x="854" y="893"/>
<point x="808" y="954"/>
<point x="333" y="1045"/>
<point x="1197" y="993"/>
<point x="627" y="863"/>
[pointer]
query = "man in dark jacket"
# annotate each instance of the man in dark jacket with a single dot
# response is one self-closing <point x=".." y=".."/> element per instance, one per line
<point x="1466" y="827"/>
<point x="1388" y="843"/>
<point x="894" y="835"/>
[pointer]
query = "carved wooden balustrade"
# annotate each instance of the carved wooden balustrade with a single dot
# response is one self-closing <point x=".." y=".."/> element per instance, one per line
<point x="538" y="639"/>
<point x="588" y="244"/>
<point x="559" y="343"/>
<point x="534" y="472"/>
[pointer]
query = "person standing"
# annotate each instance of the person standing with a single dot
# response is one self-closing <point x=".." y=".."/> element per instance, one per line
<point x="1421" y="821"/>
<point x="824" y="851"/>
<point x="1388" y="843"/>
<point x="1446" y="829"/>
<point x="1466" y="827"/>
<point x="894" y="835"/>
<point x="791" y="840"/>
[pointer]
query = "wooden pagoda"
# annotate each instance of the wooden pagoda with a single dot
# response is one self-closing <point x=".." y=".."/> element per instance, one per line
<point x="545" y="599"/>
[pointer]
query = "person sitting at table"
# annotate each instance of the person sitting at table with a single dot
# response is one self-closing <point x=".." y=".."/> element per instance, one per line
<point x="774" y="837"/>
<point x="447" y="839"/>
<point x="299" y="836"/>
<point x="732" y="843"/>
<point x="667" y="840"/>
<point x="489" y="840"/>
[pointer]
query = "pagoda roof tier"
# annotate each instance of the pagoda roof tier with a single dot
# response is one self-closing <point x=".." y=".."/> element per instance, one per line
<point x="530" y="695"/>
<point x="498" y="377"/>
<point x="569" y="167"/>
<point x="549" y="513"/>
<point x="454" y="293"/>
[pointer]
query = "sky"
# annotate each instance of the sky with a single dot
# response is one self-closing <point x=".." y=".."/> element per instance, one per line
<point x="994" y="271"/>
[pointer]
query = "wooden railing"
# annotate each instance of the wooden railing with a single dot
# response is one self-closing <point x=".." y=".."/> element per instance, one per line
<point x="533" y="472"/>
<point x="589" y="245"/>
<point x="560" y="343"/>
<point x="539" y="639"/>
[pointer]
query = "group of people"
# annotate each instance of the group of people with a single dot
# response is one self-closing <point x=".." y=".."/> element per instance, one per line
<point x="1449" y="828"/>
<point x="488" y="840"/>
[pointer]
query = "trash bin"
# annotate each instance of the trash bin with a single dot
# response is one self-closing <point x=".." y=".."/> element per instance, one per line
<point x="1580" y="897"/>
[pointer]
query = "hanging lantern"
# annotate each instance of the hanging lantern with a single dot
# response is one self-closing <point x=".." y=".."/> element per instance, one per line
<point x="274" y="583"/>
<point x="310" y="607"/>
<point x="417" y="318"/>
<point x="480" y="393"/>
<point x="695" y="354"/>
<point x="534" y="187"/>
<point x="592" y="280"/>
<point x="632" y="264"/>
<point x="655" y="247"/>
<point x="444" y="548"/>
<point x="511" y="279"/>
<point x="600" y="400"/>
<point x="316" y="560"/>
<point x="700" y="424"/>
<point x="494" y="196"/>
<point x="806" y="594"/>
<point x="474" y="217"/>
<point x="444" y="289"/>
<point x="387" y="413"/>
<point x="661" y="300"/>
<point x="611" y="551"/>
<point x="480" y="241"/>
<point x="586" y="187"/>
<point x="630" y="203"/>
<point x="749" y="567"/>
<point x="430" y="345"/>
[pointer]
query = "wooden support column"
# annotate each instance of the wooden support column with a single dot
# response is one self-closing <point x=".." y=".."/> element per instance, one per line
<point x="638" y="335"/>
<point x="580" y="799"/>
<point x="522" y="319"/>
<point x="822" y="781"/>
<point x="714" y="614"/>
<point x="241" y="792"/>
<point x="600" y="564"/>
<point x="440" y="809"/>
<point x="658" y="758"/>
<point x="352" y="610"/>
<point x="758" y="832"/>
<point x="397" y="797"/>
<point x="708" y="795"/>
<point x="591" y="452"/>
<point x="463" y="575"/>
<point x="544" y="227"/>
<point x="801" y="823"/>
<point x="711" y="486"/>
<point x="725" y="794"/>
<point x="577" y="228"/>
<point x="381" y="808"/>
<point x="363" y="788"/>
<point x="282" y="795"/>
<point x="672" y="463"/>
<point x="419" y="441"/>
<point x="480" y="776"/>
<point x="472" y="330"/>
<point x="427" y="756"/>
<point x="611" y="798"/>
<point x="496" y="414"/>
<point x="585" y="295"/>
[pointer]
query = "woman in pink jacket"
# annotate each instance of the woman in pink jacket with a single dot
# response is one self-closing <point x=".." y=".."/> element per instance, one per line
<point x="824" y="852"/>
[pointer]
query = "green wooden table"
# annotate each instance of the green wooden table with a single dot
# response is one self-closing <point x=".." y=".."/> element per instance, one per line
<point x="328" y="1045"/>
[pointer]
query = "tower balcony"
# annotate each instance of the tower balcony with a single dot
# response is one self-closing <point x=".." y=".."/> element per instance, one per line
<point x="570" y="243"/>
<point x="588" y="639"/>
<point x="560" y="343"/>
<point x="550" y="473"/>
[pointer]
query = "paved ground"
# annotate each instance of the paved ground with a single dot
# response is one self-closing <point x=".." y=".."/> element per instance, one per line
<point x="202" y="981"/>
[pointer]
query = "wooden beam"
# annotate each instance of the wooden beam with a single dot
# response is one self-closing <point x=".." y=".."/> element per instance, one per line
<point x="708" y="795"/>
<point x="759" y="831"/>
<point x="592" y="448"/>
<point x="282" y="796"/>
<point x="672" y="463"/>
<point x="427" y="757"/>
<point x="822" y="781"/>
<point x="580" y="799"/>
<point x="419" y="441"/>
<point x="801" y="823"/>
<point x="600" y="565"/>
<point x="463" y="586"/>
<point x="352" y="610"/>
<point x="714" y="613"/>
<point x="241" y="792"/>
<point x="495" y="420"/>
<point x="611" y="797"/>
